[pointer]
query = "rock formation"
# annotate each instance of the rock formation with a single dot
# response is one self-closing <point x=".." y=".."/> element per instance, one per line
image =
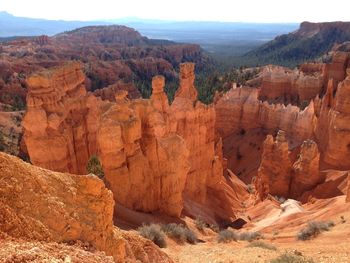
<point x="38" y="204"/>
<point x="108" y="92"/>
<point x="274" y="174"/>
<point x="336" y="70"/>
<point x="306" y="174"/>
<point x="144" y="164"/>
<point x="240" y="109"/>
<point x="279" y="176"/>
<point x="287" y="86"/>
<point x="153" y="155"/>
<point x="195" y="123"/>
<point x="61" y="120"/>
<point x="110" y="54"/>
<point x="336" y="138"/>
<point x="249" y="112"/>
<point x="10" y="131"/>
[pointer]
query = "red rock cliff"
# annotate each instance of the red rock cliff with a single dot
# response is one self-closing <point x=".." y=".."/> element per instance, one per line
<point x="154" y="155"/>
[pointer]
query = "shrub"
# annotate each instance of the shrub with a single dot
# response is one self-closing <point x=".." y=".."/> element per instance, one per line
<point x="226" y="236"/>
<point x="313" y="229"/>
<point x="250" y="236"/>
<point x="154" y="233"/>
<point x="215" y="228"/>
<point x="2" y="142"/>
<point x="200" y="224"/>
<point x="179" y="233"/>
<point x="262" y="245"/>
<point x="250" y="189"/>
<point x="342" y="220"/>
<point x="291" y="258"/>
<point x="94" y="166"/>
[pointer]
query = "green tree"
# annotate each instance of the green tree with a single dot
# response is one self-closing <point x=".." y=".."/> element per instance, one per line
<point x="94" y="166"/>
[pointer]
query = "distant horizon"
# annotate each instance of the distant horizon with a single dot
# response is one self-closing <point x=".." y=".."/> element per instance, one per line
<point x="139" y="19"/>
<point x="224" y="11"/>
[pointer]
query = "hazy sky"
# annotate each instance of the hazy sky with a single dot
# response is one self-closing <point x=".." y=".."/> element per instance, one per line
<point x="213" y="10"/>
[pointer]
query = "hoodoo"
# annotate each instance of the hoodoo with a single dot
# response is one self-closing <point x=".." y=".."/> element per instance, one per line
<point x="153" y="155"/>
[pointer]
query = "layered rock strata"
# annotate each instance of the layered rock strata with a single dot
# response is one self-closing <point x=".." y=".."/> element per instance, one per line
<point x="336" y="138"/>
<point x="153" y="154"/>
<point x="240" y="109"/>
<point x="38" y="204"/>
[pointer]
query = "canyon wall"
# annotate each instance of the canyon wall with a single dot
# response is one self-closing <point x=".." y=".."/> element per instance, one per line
<point x="279" y="84"/>
<point x="154" y="155"/>
<point x="39" y="204"/>
<point x="240" y="109"/>
<point x="318" y="132"/>
<point x="337" y="136"/>
<point x="286" y="86"/>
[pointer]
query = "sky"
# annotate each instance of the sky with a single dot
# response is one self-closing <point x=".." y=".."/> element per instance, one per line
<point x="269" y="11"/>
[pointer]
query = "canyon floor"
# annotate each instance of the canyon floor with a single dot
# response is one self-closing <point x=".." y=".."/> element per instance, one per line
<point x="280" y="232"/>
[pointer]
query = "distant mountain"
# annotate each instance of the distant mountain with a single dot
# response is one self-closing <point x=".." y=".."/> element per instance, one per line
<point x="309" y="42"/>
<point x="21" y="26"/>
<point x="117" y="57"/>
<point x="222" y="38"/>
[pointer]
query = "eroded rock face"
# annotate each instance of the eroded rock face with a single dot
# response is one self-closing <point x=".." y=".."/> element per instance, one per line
<point x="38" y="204"/>
<point x="60" y="124"/>
<point x="337" y="140"/>
<point x="336" y="70"/>
<point x="240" y="109"/>
<point x="306" y="173"/>
<point x="274" y="173"/>
<point x="153" y="155"/>
<point x="321" y="93"/>
<point x="286" y="86"/>
<point x="144" y="164"/>
<point x="348" y="192"/>
<point x="280" y="175"/>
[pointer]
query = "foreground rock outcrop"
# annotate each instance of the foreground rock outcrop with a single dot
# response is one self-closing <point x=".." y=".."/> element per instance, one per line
<point x="38" y="204"/>
<point x="154" y="155"/>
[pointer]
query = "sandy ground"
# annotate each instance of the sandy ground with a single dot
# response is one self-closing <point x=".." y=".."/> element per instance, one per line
<point x="279" y="230"/>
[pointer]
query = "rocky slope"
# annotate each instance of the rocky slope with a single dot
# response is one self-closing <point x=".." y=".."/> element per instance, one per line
<point x="310" y="41"/>
<point x="165" y="155"/>
<point x="41" y="205"/>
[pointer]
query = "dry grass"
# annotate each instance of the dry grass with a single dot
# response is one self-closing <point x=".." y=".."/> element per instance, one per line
<point x="154" y="233"/>
<point x="179" y="233"/>
<point x="313" y="229"/>
<point x="226" y="236"/>
<point x="262" y="245"/>
<point x="291" y="258"/>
